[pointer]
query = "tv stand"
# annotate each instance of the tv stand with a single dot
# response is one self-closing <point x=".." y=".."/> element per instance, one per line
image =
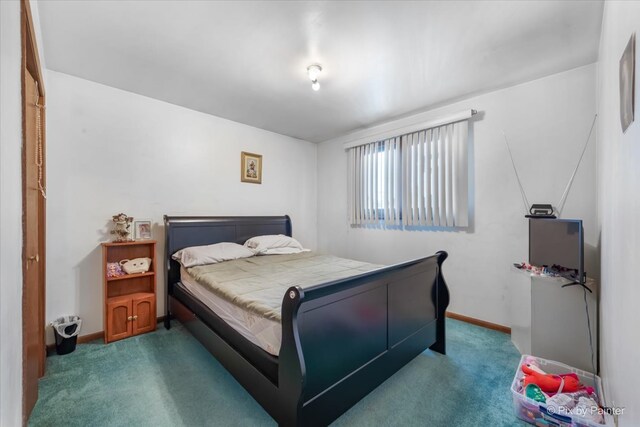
<point x="549" y="318"/>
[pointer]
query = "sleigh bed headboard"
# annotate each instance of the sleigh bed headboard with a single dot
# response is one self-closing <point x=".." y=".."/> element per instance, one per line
<point x="185" y="231"/>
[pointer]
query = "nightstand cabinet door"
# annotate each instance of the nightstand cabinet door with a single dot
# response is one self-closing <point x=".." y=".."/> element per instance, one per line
<point x="119" y="323"/>
<point x="144" y="314"/>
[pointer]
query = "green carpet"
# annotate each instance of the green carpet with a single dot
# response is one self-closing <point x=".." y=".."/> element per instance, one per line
<point x="167" y="378"/>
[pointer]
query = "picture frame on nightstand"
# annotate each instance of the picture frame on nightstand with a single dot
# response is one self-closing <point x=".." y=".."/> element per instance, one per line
<point x="142" y="229"/>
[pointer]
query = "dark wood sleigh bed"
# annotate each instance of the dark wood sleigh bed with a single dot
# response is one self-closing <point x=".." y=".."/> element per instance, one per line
<point x="340" y="339"/>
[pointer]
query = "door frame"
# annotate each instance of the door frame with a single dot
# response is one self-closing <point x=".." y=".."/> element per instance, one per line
<point x="31" y="64"/>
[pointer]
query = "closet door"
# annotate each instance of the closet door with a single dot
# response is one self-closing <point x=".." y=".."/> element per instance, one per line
<point x="33" y="286"/>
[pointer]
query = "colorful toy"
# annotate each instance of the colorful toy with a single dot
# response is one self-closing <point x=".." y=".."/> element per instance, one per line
<point x="114" y="270"/>
<point x="532" y="363"/>
<point x="532" y="391"/>
<point x="549" y="383"/>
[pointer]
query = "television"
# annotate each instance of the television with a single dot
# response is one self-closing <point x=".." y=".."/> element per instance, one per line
<point x="558" y="244"/>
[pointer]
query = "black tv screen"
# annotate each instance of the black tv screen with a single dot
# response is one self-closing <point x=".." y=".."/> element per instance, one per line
<point x="559" y="245"/>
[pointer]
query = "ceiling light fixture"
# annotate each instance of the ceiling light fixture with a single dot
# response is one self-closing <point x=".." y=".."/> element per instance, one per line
<point x="314" y="71"/>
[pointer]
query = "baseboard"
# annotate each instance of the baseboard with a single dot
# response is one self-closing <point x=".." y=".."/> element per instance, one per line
<point x="90" y="337"/>
<point x="51" y="348"/>
<point x="479" y="322"/>
<point x="472" y="320"/>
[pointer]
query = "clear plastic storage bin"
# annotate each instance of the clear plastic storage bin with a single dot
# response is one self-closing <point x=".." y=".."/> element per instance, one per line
<point x="536" y="413"/>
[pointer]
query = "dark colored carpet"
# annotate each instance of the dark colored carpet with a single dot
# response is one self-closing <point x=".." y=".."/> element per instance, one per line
<point x="167" y="378"/>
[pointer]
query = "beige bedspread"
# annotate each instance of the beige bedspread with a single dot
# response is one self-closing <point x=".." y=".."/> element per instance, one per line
<point x="258" y="284"/>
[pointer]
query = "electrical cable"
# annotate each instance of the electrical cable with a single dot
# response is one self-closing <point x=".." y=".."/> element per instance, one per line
<point x="593" y="364"/>
<point x="586" y="307"/>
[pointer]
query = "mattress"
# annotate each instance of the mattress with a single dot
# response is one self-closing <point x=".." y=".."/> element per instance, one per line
<point x="258" y="357"/>
<point x="263" y="332"/>
<point x="247" y="293"/>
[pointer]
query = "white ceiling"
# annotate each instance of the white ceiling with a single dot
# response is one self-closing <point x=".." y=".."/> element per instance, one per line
<point x="246" y="61"/>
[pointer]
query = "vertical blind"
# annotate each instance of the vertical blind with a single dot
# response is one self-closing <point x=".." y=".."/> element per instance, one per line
<point x="417" y="179"/>
<point x="375" y="182"/>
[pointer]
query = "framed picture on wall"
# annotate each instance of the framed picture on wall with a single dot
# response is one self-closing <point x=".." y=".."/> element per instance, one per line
<point x="628" y="84"/>
<point x="142" y="229"/>
<point x="251" y="167"/>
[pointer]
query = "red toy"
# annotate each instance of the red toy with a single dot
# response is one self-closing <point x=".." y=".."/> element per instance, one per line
<point x="550" y="383"/>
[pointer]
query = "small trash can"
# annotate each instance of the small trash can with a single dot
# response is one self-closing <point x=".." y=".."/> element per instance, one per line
<point x="66" y="330"/>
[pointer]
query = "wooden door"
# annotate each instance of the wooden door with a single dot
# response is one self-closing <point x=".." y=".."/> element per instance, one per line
<point x="119" y="320"/>
<point x="33" y="258"/>
<point x="33" y="214"/>
<point x="144" y="314"/>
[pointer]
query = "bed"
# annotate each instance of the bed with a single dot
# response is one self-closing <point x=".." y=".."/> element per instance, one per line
<point x="338" y="339"/>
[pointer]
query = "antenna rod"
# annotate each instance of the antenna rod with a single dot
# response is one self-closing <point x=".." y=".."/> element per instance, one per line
<point x="563" y="199"/>
<point x="524" y="196"/>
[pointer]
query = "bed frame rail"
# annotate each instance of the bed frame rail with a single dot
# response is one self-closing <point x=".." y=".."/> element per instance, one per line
<point x="342" y="339"/>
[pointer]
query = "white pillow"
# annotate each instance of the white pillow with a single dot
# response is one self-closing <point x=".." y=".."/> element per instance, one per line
<point x="274" y="245"/>
<point x="211" y="254"/>
<point x="282" y="251"/>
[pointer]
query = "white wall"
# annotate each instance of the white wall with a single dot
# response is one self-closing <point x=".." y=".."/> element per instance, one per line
<point x="10" y="216"/>
<point x="619" y="212"/>
<point x="547" y="122"/>
<point x="113" y="151"/>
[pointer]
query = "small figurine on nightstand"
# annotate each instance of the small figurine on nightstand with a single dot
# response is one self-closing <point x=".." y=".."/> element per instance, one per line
<point x="122" y="229"/>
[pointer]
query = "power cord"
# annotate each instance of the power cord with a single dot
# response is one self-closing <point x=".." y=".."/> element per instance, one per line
<point x="593" y="363"/>
<point x="606" y="409"/>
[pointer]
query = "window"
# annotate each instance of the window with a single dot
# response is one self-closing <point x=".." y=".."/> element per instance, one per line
<point x="417" y="179"/>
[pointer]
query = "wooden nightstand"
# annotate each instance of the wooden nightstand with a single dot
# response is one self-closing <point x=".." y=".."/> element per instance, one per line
<point x="129" y="300"/>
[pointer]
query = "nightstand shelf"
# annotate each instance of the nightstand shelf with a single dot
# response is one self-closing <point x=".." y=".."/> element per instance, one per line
<point x="129" y="296"/>
<point x="130" y="276"/>
<point x="129" y="300"/>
